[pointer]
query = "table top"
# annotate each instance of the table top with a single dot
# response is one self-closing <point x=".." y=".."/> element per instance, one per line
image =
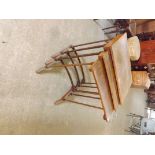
<point x="103" y="87"/>
<point x="118" y="49"/>
<point x="107" y="61"/>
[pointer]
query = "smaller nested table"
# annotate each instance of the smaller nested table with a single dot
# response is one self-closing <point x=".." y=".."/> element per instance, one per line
<point x="110" y="73"/>
<point x="101" y="79"/>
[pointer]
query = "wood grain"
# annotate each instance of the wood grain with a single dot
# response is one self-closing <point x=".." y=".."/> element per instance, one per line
<point x="107" y="60"/>
<point x="121" y="61"/>
<point x="103" y="88"/>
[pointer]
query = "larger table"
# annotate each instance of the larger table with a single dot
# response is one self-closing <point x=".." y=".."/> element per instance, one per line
<point x="118" y="49"/>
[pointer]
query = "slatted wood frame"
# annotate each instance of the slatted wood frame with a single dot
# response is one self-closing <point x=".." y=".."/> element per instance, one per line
<point x="102" y="70"/>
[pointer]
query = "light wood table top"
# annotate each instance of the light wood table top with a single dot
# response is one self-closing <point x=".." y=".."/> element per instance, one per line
<point x="107" y="62"/>
<point x="118" y="49"/>
<point x="103" y="87"/>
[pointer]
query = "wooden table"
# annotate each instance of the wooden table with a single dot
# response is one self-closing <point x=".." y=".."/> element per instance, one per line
<point x="101" y="80"/>
<point x="107" y="62"/>
<point x="118" y="49"/>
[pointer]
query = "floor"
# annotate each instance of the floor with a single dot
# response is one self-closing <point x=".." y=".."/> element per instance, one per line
<point x="27" y="99"/>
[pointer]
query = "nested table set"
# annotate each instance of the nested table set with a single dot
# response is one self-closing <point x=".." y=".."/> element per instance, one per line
<point x="111" y="72"/>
